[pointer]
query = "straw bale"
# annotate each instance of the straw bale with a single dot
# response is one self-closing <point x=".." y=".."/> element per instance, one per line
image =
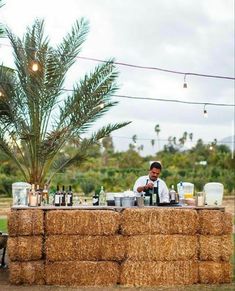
<point x="83" y="273"/>
<point x="162" y="247"/>
<point x="159" y="221"/>
<point x="85" y="222"/>
<point x="31" y="273"/>
<point x="85" y="248"/>
<point x="26" y="222"/>
<point x="25" y="248"/>
<point x="158" y="273"/>
<point x="227" y="223"/>
<point x="211" y="222"/>
<point x="215" y="272"/>
<point x="215" y="248"/>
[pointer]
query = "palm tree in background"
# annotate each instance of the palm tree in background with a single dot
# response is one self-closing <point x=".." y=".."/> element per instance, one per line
<point x="37" y="119"/>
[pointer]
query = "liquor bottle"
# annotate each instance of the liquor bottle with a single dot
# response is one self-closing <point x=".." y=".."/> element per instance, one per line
<point x="70" y="197"/>
<point x="102" y="197"/>
<point x="39" y="194"/>
<point x="95" y="200"/>
<point x="63" y="197"/>
<point x="33" y="197"/>
<point x="57" y="197"/>
<point x="172" y="195"/>
<point x="181" y="193"/>
<point x="45" y="195"/>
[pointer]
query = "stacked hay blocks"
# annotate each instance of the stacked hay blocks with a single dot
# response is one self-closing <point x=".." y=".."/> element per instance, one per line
<point x="176" y="247"/>
<point x="135" y="247"/>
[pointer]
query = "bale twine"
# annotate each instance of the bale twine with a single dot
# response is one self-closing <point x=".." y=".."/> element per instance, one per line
<point x="25" y="248"/>
<point x="98" y="222"/>
<point x="82" y="273"/>
<point x="215" y="272"/>
<point x="213" y="222"/>
<point x="158" y="273"/>
<point x="159" y="221"/>
<point x="26" y="222"/>
<point x="162" y="247"/>
<point x="215" y="248"/>
<point x="31" y="273"/>
<point x="85" y="248"/>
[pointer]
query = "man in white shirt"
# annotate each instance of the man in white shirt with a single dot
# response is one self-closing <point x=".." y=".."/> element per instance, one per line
<point x="148" y="184"/>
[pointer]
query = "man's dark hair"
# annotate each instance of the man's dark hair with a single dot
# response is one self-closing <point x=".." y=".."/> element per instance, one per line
<point x="155" y="165"/>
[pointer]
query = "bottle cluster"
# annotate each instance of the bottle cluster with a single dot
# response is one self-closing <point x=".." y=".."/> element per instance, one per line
<point x="40" y="197"/>
<point x="37" y="196"/>
<point x="63" y="197"/>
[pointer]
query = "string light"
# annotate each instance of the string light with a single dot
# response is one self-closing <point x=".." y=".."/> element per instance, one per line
<point x="205" y="111"/>
<point x="185" y="84"/>
<point x="35" y="66"/>
<point x="148" y="67"/>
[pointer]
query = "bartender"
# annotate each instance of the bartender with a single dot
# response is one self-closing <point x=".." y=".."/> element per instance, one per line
<point x="151" y="183"/>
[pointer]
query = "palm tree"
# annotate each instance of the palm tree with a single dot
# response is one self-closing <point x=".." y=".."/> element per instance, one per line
<point x="36" y="119"/>
<point x="2" y="32"/>
<point x="157" y="130"/>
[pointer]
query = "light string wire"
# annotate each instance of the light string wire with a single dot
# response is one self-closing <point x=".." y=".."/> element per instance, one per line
<point x="152" y="99"/>
<point x="143" y="67"/>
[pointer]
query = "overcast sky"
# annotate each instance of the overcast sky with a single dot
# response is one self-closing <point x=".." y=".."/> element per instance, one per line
<point x="181" y="35"/>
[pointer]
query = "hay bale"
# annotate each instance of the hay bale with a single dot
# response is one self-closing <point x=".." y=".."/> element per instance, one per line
<point x="162" y="247"/>
<point x="158" y="273"/>
<point x="31" y="273"/>
<point x="84" y="222"/>
<point x="25" y="248"/>
<point x="211" y="222"/>
<point x="26" y="222"/>
<point x="215" y="272"/>
<point x="84" y="248"/>
<point x="82" y="273"/>
<point x="215" y="248"/>
<point x="159" y="221"/>
<point x="227" y="223"/>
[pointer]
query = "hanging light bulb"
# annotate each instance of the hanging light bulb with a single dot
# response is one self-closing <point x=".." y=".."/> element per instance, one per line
<point x="205" y="111"/>
<point x="35" y="66"/>
<point x="35" y="63"/>
<point x="1" y="93"/>
<point x="185" y="83"/>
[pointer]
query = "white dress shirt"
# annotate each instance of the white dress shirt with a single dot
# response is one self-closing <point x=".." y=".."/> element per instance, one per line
<point x="162" y="188"/>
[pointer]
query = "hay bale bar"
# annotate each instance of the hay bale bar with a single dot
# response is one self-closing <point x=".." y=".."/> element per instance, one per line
<point x="159" y="221"/>
<point x="149" y="246"/>
<point x="25" y="248"/>
<point x="26" y="222"/>
<point x="159" y="273"/>
<point x="82" y="273"/>
<point x="82" y="222"/>
<point x="85" y="248"/>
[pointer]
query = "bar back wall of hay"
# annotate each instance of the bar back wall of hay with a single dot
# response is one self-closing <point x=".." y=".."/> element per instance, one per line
<point x="135" y="247"/>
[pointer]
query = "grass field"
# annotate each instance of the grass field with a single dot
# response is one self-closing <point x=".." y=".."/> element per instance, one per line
<point x="3" y="225"/>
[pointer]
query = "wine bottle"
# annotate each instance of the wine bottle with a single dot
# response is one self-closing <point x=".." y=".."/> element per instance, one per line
<point x="57" y="197"/>
<point x="70" y="196"/>
<point x="95" y="200"/>
<point x="102" y="197"/>
<point x="39" y="195"/>
<point x="33" y="197"/>
<point x="63" y="197"/>
<point x="172" y="195"/>
<point x="45" y="195"/>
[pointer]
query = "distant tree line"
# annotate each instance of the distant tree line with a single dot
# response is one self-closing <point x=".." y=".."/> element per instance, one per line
<point x="117" y="171"/>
